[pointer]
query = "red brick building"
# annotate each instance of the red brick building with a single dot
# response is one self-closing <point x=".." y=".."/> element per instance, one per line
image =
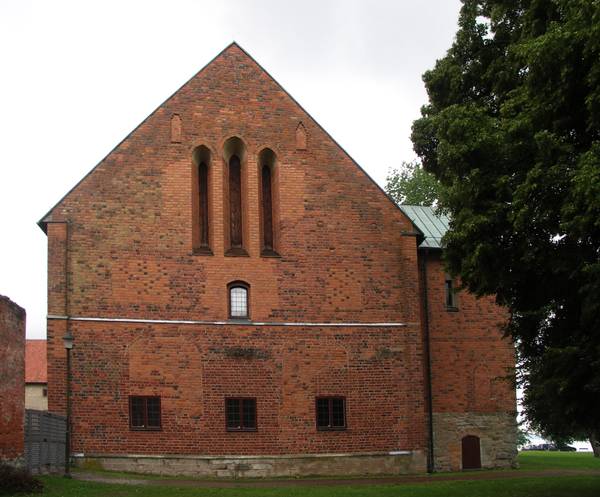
<point x="245" y="300"/>
<point x="12" y="381"/>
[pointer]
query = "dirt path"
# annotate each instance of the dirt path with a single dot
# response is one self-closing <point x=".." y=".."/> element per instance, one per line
<point x="317" y="482"/>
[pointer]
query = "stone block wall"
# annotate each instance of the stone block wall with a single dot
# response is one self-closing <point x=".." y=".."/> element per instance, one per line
<point x="375" y="463"/>
<point x="497" y="433"/>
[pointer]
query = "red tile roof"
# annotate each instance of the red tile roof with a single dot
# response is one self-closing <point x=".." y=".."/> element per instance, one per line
<point x="35" y="362"/>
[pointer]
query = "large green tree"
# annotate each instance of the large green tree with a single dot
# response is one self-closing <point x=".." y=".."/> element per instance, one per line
<point x="412" y="185"/>
<point x="512" y="130"/>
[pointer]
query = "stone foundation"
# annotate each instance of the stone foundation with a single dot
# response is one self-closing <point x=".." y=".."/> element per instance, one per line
<point x="374" y="463"/>
<point x="17" y="462"/>
<point x="497" y="433"/>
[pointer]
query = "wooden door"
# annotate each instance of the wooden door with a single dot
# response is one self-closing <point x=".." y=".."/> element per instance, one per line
<point x="471" y="452"/>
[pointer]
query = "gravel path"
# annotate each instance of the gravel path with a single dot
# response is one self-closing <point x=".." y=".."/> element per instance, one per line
<point x="317" y="482"/>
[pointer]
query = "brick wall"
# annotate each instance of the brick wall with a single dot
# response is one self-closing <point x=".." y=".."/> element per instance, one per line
<point x="472" y="368"/>
<point x="121" y="244"/>
<point x="193" y="368"/>
<point x="12" y="380"/>
<point x="130" y="220"/>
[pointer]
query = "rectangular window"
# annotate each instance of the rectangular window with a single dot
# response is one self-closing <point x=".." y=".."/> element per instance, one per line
<point x="240" y="414"/>
<point x="331" y="413"/>
<point x="451" y="300"/>
<point x="144" y="413"/>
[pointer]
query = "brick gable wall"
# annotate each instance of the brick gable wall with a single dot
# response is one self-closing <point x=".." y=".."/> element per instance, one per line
<point x="121" y="245"/>
<point x="129" y="254"/>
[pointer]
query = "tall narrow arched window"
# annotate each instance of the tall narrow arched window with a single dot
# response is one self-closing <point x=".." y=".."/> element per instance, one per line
<point x="203" y="204"/>
<point x="267" y="209"/>
<point x="235" y="202"/>
<point x="201" y="230"/>
<point x="268" y="202"/>
<point x="239" y="293"/>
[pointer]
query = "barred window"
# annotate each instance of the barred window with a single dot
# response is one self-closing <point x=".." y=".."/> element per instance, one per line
<point x="238" y="301"/>
<point x="331" y="413"/>
<point x="144" y="413"/>
<point x="240" y="414"/>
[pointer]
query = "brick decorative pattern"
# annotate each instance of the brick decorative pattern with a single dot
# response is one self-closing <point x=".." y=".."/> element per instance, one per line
<point x="12" y="380"/>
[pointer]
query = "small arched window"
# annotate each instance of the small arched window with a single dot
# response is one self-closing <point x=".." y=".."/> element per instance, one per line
<point x="239" y="300"/>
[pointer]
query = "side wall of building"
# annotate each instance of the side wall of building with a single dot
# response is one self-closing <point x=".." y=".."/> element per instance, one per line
<point x="12" y="381"/>
<point x="472" y="374"/>
<point x="194" y="368"/>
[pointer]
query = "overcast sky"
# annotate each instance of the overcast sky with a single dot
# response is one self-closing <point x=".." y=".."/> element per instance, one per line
<point x="76" y="77"/>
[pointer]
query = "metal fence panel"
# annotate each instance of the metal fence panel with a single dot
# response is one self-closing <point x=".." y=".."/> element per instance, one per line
<point x="44" y="441"/>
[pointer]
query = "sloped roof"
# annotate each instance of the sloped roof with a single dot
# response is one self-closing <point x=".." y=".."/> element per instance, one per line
<point x="35" y="362"/>
<point x="432" y="224"/>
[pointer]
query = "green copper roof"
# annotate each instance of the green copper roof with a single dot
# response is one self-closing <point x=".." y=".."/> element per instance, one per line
<point x="432" y="224"/>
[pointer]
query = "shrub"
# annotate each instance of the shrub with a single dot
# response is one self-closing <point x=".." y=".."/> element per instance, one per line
<point x="16" y="480"/>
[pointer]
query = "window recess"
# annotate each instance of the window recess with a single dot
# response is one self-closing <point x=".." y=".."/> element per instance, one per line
<point x="144" y="413"/>
<point x="331" y="413"/>
<point x="240" y="414"/>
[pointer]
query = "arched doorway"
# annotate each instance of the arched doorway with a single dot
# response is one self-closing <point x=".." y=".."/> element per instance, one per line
<point x="471" y="452"/>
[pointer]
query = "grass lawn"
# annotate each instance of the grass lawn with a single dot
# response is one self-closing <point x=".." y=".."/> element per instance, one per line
<point x="556" y="486"/>
<point x="587" y="486"/>
<point x="538" y="460"/>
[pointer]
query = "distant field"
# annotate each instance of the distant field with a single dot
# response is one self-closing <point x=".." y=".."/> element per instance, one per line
<point x="539" y="459"/>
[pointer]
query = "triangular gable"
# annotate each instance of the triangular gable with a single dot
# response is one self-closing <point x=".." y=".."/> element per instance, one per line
<point x="47" y="217"/>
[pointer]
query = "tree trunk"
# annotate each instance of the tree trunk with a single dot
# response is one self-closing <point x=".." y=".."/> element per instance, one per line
<point x="595" y="441"/>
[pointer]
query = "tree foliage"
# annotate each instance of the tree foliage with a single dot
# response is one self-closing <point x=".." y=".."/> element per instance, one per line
<point x="512" y="132"/>
<point x="412" y="185"/>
